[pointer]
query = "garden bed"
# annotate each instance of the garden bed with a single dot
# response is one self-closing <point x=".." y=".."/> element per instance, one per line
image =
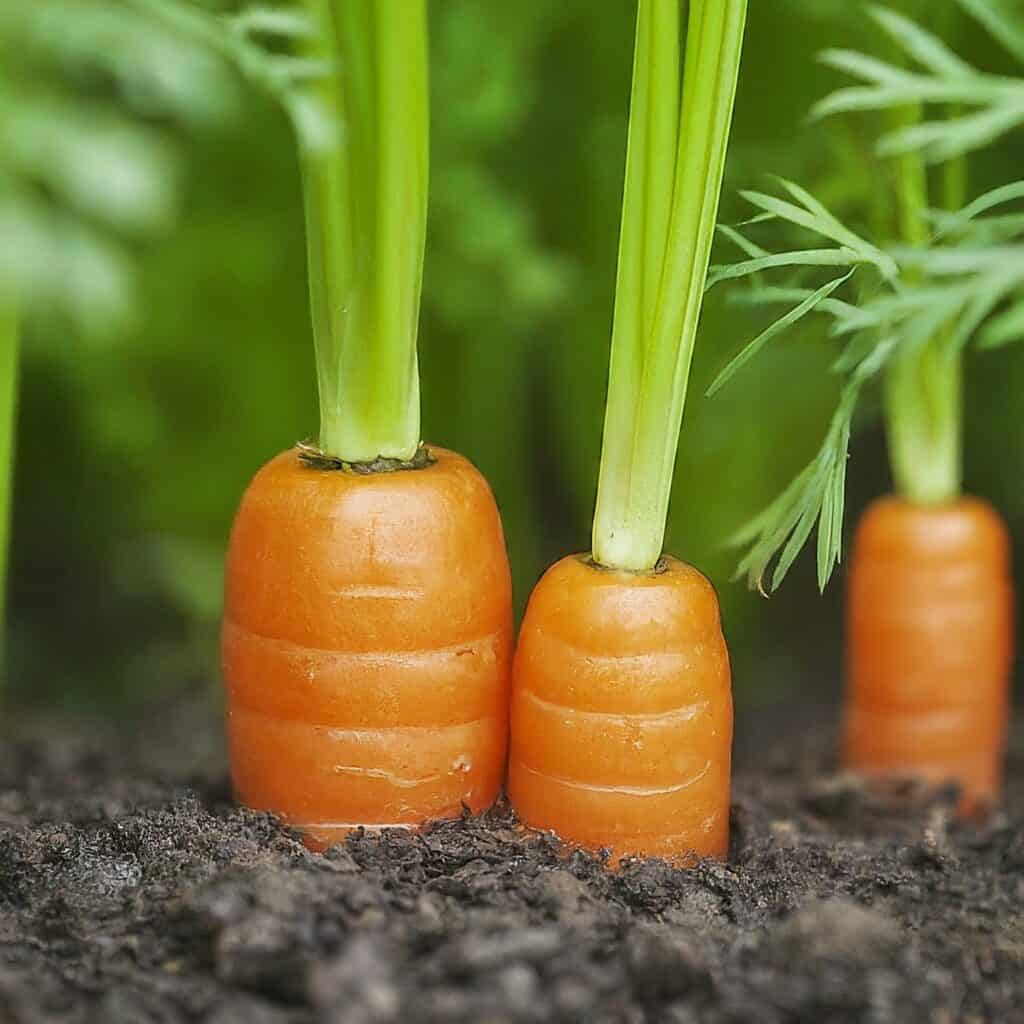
<point x="132" y="890"/>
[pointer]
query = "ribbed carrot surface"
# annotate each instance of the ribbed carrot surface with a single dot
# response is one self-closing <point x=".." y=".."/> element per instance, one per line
<point x="622" y="711"/>
<point x="929" y="645"/>
<point x="367" y="645"/>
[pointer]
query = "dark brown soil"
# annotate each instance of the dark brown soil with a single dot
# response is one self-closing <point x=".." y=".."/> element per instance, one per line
<point x="132" y="891"/>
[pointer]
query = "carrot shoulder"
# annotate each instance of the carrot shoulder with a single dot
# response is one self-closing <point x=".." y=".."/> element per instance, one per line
<point x="930" y="638"/>
<point x="367" y="645"/>
<point x="622" y="711"/>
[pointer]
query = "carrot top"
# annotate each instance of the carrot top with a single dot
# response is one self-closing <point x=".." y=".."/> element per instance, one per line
<point x="366" y="212"/>
<point x="679" y="123"/>
<point x="903" y="309"/>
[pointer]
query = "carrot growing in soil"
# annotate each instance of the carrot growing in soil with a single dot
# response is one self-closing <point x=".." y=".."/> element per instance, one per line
<point x="929" y="604"/>
<point x="622" y="706"/>
<point x="368" y="618"/>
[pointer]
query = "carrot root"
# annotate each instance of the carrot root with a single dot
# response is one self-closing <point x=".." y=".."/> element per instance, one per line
<point x="367" y="646"/>
<point x="930" y="645"/>
<point x="622" y="712"/>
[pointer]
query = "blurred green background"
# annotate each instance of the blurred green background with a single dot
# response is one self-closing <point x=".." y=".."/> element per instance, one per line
<point x="134" y="446"/>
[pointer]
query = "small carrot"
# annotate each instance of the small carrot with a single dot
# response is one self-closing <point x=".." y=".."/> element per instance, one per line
<point x="621" y="723"/>
<point x="929" y="645"/>
<point x="367" y="631"/>
<point x="930" y="600"/>
<point x="622" y="710"/>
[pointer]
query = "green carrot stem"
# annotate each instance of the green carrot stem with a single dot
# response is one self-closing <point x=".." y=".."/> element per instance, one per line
<point x="678" y="136"/>
<point x="366" y="210"/>
<point x="923" y="404"/>
<point x="912" y="186"/>
<point x="8" y="408"/>
<point x="954" y="182"/>
<point x="923" y="413"/>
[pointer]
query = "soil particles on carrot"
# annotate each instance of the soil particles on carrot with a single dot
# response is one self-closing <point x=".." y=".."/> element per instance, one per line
<point x="132" y="890"/>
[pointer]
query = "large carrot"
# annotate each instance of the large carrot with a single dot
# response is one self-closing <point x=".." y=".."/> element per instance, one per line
<point x="368" y="627"/>
<point x="367" y="639"/>
<point x="929" y="605"/>
<point x="622" y="712"/>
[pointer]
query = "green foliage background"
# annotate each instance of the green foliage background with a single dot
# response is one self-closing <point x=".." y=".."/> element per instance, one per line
<point x="134" y="449"/>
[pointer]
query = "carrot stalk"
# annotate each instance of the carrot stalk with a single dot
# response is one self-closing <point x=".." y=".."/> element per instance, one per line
<point x="674" y="171"/>
<point x="8" y="409"/>
<point x="923" y="415"/>
<point x="366" y="226"/>
<point x="923" y="383"/>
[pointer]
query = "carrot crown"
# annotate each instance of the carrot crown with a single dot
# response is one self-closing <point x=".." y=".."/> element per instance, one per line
<point x="366" y="212"/>
<point x="679" y="122"/>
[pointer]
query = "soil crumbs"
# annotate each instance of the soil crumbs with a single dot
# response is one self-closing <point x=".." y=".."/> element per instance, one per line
<point x="133" y="891"/>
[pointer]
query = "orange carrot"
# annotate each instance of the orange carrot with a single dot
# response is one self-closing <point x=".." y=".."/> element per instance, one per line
<point x="367" y="644"/>
<point x="621" y="726"/>
<point x="622" y="711"/>
<point x="930" y="637"/>
<point x="930" y="603"/>
<point x="368" y="618"/>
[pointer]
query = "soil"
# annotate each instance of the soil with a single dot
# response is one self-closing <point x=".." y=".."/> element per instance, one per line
<point x="132" y="890"/>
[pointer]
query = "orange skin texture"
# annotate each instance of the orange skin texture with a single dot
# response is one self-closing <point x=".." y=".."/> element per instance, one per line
<point x="366" y="644"/>
<point x="621" y="732"/>
<point x="930" y="645"/>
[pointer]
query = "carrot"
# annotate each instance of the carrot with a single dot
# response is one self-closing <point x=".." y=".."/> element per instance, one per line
<point x="368" y="619"/>
<point x="929" y="645"/>
<point x="930" y="602"/>
<point x="367" y="641"/>
<point x="622" y="710"/>
<point x="621" y="720"/>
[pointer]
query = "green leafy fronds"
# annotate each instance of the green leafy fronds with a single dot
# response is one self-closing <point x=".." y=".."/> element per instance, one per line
<point x="813" y="300"/>
<point x="993" y="104"/>
<point x="1003" y="20"/>
<point x="816" y="496"/>
<point x="90" y="96"/>
<point x="850" y="254"/>
<point x="679" y="122"/>
<point x="905" y="306"/>
<point x="1003" y="329"/>
<point x="268" y="47"/>
<point x="907" y="311"/>
<point x="970" y="224"/>
<point x="977" y="294"/>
